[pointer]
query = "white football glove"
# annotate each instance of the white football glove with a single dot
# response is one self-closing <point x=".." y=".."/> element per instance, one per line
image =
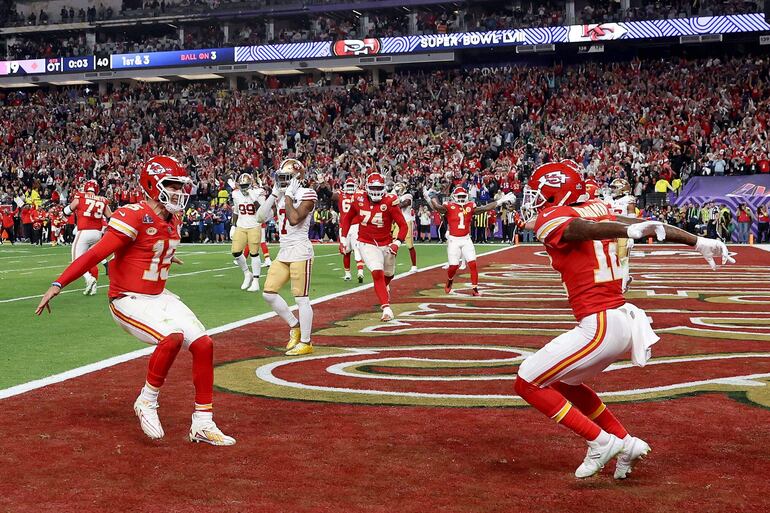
<point x="509" y="198"/>
<point x="426" y="194"/>
<point x="711" y="248"/>
<point x="292" y="189"/>
<point x="276" y="192"/>
<point x="232" y="232"/>
<point x="646" y="229"/>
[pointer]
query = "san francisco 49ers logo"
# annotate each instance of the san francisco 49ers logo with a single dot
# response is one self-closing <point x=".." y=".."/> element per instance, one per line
<point x="553" y="179"/>
<point x="348" y="47"/>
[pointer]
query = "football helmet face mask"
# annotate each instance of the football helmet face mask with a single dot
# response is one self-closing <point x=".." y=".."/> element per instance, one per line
<point x="164" y="180"/>
<point x="620" y="187"/>
<point x="287" y="170"/>
<point x="460" y="196"/>
<point x="349" y="187"/>
<point x="245" y="182"/>
<point x="375" y="187"/>
<point x="91" y="186"/>
<point x="552" y="184"/>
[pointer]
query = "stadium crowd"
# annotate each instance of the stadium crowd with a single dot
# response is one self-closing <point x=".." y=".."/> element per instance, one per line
<point x="655" y="123"/>
<point x="435" y="19"/>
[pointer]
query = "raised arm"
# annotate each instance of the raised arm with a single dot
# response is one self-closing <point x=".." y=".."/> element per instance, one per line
<point x="433" y="204"/>
<point x="507" y="198"/>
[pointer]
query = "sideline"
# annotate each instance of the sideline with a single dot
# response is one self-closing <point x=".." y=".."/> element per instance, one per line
<point x="115" y="360"/>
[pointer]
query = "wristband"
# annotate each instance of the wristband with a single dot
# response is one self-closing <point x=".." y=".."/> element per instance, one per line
<point x="56" y="284"/>
<point x="67" y="210"/>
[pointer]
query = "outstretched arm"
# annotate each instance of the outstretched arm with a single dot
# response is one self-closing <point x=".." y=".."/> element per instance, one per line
<point x="110" y="243"/>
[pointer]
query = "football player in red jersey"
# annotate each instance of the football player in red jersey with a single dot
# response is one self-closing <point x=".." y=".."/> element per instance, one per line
<point x="143" y="238"/>
<point x="580" y="237"/>
<point x="91" y="210"/>
<point x="345" y="199"/>
<point x="376" y="212"/>
<point x="459" y="213"/>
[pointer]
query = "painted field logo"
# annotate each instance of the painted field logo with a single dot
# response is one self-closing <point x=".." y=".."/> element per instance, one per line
<point x="478" y="376"/>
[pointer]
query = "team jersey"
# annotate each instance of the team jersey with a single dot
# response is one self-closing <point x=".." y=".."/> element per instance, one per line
<point x="458" y="218"/>
<point x="406" y="210"/>
<point x="589" y="269"/>
<point x="619" y="206"/>
<point x="142" y="265"/>
<point x="90" y="211"/>
<point x="294" y="241"/>
<point x="244" y="205"/>
<point x="344" y="200"/>
<point x="375" y="219"/>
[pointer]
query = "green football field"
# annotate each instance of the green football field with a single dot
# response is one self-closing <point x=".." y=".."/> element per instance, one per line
<point x="80" y="329"/>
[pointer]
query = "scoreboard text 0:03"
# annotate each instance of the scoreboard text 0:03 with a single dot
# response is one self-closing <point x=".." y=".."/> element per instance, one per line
<point x="69" y="64"/>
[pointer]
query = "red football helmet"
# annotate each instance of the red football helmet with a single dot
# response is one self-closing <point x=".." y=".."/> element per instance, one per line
<point x="91" y="186"/>
<point x="157" y="174"/>
<point x="555" y="183"/>
<point x="350" y="186"/>
<point x="574" y="165"/>
<point x="592" y="188"/>
<point x="375" y="186"/>
<point x="460" y="195"/>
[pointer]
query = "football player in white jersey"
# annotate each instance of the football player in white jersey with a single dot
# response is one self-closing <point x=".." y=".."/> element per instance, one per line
<point x="295" y="203"/>
<point x="623" y="203"/>
<point x="405" y="201"/>
<point x="246" y="230"/>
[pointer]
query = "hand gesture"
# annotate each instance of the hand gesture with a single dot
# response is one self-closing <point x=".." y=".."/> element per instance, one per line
<point x="711" y="248"/>
<point x="51" y="293"/>
<point x="646" y="229"/>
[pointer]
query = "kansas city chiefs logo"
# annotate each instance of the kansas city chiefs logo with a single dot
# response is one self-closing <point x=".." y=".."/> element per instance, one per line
<point x="553" y="179"/>
<point x="156" y="168"/>
<point x="347" y="47"/>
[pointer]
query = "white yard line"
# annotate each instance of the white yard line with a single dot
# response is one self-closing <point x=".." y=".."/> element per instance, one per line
<point x="115" y="360"/>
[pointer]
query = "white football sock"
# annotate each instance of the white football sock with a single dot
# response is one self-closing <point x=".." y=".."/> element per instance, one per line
<point x="256" y="266"/>
<point x="149" y="393"/>
<point x="305" y="317"/>
<point x="279" y="306"/>
<point x="241" y="261"/>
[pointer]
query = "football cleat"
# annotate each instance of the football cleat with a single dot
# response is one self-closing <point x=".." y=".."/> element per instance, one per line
<point x="89" y="284"/>
<point x="634" y="449"/>
<point x="148" y="418"/>
<point x="360" y="277"/>
<point x="475" y="292"/>
<point x="254" y="287"/>
<point x="92" y="288"/>
<point x="247" y="279"/>
<point x="300" y="348"/>
<point x="387" y="314"/>
<point x="294" y="334"/>
<point x="203" y="429"/>
<point x="597" y="456"/>
<point x="413" y="269"/>
<point x="448" y="286"/>
<point x="348" y="277"/>
<point x="267" y="262"/>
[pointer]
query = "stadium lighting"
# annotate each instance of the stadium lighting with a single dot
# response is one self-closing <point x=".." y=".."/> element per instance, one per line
<point x="151" y="79"/>
<point x="71" y="82"/>
<point x="280" y="72"/>
<point x="202" y="76"/>
<point x="337" y="69"/>
<point x="16" y="85"/>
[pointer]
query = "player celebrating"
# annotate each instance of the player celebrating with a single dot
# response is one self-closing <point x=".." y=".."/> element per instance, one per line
<point x="295" y="203"/>
<point x="143" y="237"/>
<point x="91" y="211"/>
<point x="246" y="230"/>
<point x="459" y="212"/>
<point x="579" y="237"/>
<point x="623" y="203"/>
<point x="405" y="201"/>
<point x="345" y="199"/>
<point x="377" y="213"/>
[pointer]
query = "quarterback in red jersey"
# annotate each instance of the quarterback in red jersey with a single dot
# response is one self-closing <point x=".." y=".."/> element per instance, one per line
<point x="344" y="200"/>
<point x="580" y="237"/>
<point x="143" y="237"/>
<point x="91" y="210"/>
<point x="377" y="212"/>
<point x="459" y="212"/>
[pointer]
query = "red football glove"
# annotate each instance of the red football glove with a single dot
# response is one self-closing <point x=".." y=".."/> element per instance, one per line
<point x="393" y="248"/>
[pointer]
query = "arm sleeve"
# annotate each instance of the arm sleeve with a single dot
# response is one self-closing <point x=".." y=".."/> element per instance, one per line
<point x="398" y="218"/>
<point x="265" y="209"/>
<point x="110" y="243"/>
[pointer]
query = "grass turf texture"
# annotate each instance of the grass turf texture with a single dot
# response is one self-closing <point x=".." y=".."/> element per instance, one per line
<point x="81" y="330"/>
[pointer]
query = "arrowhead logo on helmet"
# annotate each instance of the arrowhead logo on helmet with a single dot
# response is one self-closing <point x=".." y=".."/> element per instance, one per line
<point x="164" y="180"/>
<point x="552" y="184"/>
